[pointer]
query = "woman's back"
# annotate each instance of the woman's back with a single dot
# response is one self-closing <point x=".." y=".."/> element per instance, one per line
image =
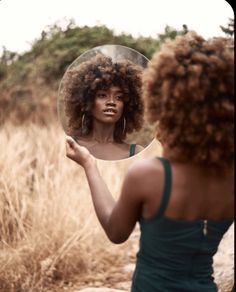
<point x="178" y="243"/>
<point x="194" y="190"/>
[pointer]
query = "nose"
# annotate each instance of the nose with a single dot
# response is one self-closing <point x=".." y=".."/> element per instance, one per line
<point x="111" y="100"/>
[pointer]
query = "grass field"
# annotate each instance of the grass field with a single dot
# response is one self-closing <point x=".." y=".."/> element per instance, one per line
<point x="49" y="235"/>
<point x="48" y="228"/>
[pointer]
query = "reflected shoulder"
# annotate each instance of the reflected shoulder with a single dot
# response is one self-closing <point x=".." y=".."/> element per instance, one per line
<point x="138" y="148"/>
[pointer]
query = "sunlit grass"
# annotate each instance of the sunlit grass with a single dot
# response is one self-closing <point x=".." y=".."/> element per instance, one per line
<point x="48" y="228"/>
<point x="49" y="233"/>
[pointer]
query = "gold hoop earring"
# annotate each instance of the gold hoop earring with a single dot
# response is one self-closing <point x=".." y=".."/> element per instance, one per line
<point x="83" y="128"/>
<point x="124" y="125"/>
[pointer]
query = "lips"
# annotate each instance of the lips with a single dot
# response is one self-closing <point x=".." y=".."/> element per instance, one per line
<point x="110" y="110"/>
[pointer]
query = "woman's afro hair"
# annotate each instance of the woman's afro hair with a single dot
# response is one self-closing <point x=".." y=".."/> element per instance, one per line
<point x="81" y="83"/>
<point x="188" y="91"/>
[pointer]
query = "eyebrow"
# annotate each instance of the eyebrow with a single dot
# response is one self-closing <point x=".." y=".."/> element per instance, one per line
<point x="114" y="91"/>
<point x="118" y="91"/>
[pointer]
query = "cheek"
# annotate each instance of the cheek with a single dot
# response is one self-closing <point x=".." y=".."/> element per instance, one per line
<point x="96" y="106"/>
<point x="121" y="107"/>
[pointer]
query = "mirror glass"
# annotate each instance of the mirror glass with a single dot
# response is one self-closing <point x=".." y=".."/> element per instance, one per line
<point x="100" y="103"/>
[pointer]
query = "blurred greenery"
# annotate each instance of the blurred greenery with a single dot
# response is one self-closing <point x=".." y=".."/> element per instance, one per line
<point x="57" y="48"/>
<point x="40" y="69"/>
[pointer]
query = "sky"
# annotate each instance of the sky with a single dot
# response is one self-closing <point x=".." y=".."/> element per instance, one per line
<point x="22" y="21"/>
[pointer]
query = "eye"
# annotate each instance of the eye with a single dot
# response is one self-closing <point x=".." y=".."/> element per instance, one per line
<point x="120" y="97"/>
<point x="101" y="95"/>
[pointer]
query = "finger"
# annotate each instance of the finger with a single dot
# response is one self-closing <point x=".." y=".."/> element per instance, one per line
<point x="72" y="144"/>
<point x="69" y="150"/>
<point x="68" y="147"/>
<point x="70" y="140"/>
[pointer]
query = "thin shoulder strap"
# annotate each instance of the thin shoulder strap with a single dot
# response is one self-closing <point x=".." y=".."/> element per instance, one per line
<point x="132" y="150"/>
<point x="167" y="186"/>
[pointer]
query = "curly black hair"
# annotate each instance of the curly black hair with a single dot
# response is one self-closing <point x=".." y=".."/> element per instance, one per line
<point x="188" y="91"/>
<point x="81" y="83"/>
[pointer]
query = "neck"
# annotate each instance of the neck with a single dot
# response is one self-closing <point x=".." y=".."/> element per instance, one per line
<point x="103" y="133"/>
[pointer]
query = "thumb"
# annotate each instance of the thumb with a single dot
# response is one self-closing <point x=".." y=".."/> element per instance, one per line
<point x="70" y="141"/>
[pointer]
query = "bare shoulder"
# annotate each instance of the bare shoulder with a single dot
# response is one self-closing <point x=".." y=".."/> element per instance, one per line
<point x="136" y="179"/>
<point x="138" y="148"/>
<point x="144" y="180"/>
<point x="145" y="169"/>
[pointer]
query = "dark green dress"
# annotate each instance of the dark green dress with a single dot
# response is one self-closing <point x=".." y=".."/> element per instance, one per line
<point x="132" y="150"/>
<point x="176" y="255"/>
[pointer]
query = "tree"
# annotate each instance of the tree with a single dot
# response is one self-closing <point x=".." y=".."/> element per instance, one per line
<point x="6" y="60"/>
<point x="229" y="30"/>
<point x="171" y="33"/>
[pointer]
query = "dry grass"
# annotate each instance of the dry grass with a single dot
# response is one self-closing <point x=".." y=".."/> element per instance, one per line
<point x="43" y="210"/>
<point x="48" y="230"/>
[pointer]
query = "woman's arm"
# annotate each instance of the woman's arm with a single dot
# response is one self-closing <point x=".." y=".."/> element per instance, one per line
<point x="117" y="218"/>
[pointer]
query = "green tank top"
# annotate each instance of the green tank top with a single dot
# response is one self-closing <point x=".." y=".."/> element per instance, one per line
<point x="176" y="255"/>
<point x="132" y="150"/>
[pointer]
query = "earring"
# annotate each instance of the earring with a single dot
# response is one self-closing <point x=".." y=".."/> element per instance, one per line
<point x="124" y="125"/>
<point x="83" y="128"/>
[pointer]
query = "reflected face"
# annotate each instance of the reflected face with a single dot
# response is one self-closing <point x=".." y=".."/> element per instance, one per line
<point x="108" y="105"/>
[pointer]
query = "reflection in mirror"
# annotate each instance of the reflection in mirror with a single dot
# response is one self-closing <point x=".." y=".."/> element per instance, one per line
<point x="100" y="103"/>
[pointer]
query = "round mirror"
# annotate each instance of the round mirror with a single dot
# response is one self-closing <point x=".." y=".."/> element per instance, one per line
<point x="100" y="103"/>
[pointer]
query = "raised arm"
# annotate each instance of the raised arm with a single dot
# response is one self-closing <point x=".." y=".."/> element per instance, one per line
<point x="117" y="218"/>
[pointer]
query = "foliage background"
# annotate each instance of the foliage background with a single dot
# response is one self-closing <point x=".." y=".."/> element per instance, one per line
<point x="29" y="81"/>
<point x="49" y="235"/>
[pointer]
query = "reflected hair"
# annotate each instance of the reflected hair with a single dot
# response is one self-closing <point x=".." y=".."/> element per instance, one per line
<point x="81" y="83"/>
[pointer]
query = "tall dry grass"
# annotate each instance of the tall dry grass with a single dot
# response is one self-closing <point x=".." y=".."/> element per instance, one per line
<point x="48" y="228"/>
<point x="49" y="234"/>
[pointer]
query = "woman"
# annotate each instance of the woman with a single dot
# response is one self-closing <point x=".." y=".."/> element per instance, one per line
<point x="103" y="103"/>
<point x="183" y="200"/>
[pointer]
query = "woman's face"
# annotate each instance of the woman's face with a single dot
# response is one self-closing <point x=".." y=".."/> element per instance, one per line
<point x="108" y="105"/>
